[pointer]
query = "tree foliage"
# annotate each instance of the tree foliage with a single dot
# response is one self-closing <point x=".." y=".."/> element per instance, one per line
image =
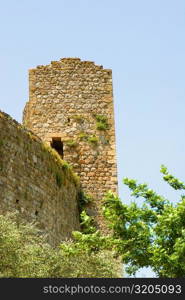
<point x="147" y="235"/>
<point x="151" y="234"/>
<point x="24" y="252"/>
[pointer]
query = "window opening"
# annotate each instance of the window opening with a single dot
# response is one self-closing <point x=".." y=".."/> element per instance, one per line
<point x="57" y="144"/>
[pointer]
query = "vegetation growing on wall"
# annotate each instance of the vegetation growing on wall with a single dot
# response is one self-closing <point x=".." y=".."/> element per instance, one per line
<point x="93" y="140"/>
<point x="83" y="136"/>
<point x="71" y="143"/>
<point x="101" y="123"/>
<point x="86" y="223"/>
<point x="83" y="199"/>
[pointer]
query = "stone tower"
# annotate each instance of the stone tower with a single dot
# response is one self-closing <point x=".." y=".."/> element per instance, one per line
<point x="71" y="108"/>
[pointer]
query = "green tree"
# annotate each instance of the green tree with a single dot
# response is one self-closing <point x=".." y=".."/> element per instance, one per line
<point x="24" y="252"/>
<point x="151" y="234"/>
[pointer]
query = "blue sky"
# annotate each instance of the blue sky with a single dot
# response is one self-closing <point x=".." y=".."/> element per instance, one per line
<point x="142" y="41"/>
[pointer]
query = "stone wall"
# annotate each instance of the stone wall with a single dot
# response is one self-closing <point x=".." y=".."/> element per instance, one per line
<point x="36" y="182"/>
<point x="71" y="101"/>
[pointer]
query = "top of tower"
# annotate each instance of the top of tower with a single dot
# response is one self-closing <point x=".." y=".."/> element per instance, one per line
<point x="71" y="62"/>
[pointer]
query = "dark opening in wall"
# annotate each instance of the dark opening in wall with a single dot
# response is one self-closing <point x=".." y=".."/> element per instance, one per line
<point x="57" y="144"/>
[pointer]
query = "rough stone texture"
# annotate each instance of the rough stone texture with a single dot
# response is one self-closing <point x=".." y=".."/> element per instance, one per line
<point x="36" y="183"/>
<point x="66" y="98"/>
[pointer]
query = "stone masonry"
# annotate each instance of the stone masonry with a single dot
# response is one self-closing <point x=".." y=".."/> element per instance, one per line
<point x="36" y="182"/>
<point x="71" y="108"/>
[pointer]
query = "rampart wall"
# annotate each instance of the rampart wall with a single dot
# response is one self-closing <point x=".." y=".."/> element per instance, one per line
<point x="36" y="182"/>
